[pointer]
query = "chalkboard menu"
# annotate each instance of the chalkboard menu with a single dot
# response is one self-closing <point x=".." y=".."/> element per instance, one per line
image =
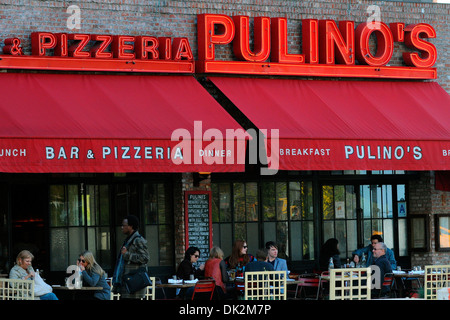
<point x="198" y="222"/>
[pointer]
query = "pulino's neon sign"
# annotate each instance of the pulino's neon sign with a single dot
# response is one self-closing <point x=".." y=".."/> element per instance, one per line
<point x="328" y="48"/>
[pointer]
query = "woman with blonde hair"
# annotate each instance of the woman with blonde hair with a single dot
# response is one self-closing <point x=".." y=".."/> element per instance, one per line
<point x="216" y="268"/>
<point x="93" y="275"/>
<point x="23" y="270"/>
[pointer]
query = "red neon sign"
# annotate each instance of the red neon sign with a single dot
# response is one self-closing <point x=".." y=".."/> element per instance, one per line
<point x="324" y="43"/>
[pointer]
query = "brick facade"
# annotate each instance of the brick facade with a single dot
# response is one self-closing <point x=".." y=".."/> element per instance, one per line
<point x="178" y="18"/>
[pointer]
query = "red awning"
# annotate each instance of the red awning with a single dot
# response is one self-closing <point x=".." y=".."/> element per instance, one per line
<point x="113" y="123"/>
<point x="347" y="125"/>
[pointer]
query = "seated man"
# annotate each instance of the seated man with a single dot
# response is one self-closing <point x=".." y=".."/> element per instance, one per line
<point x="381" y="261"/>
<point x="260" y="264"/>
<point x="368" y="251"/>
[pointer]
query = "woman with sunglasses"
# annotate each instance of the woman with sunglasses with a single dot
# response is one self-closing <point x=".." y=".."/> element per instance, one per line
<point x="239" y="257"/>
<point x="93" y="275"/>
<point x="187" y="266"/>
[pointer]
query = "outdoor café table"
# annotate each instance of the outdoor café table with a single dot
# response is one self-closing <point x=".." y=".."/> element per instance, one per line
<point x="75" y="294"/>
<point x="178" y="284"/>
<point x="406" y="276"/>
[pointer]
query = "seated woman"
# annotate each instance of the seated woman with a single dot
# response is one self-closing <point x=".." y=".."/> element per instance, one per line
<point x="239" y="257"/>
<point x="186" y="267"/>
<point x="216" y="268"/>
<point x="93" y="275"/>
<point x="23" y="270"/>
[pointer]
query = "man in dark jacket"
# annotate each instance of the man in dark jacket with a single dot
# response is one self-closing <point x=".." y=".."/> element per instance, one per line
<point x="133" y="256"/>
<point x="380" y="260"/>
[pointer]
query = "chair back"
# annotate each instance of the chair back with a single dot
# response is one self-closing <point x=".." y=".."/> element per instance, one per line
<point x="265" y="285"/>
<point x="204" y="286"/>
<point x="150" y="291"/>
<point x="350" y="284"/>
<point x="436" y="277"/>
<point x="16" y="289"/>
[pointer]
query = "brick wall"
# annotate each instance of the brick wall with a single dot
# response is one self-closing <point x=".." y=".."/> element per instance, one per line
<point x="178" y="18"/>
<point x="424" y="199"/>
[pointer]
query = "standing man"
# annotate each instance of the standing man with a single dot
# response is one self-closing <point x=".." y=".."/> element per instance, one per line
<point x="133" y="256"/>
<point x="272" y="257"/>
<point x="380" y="260"/>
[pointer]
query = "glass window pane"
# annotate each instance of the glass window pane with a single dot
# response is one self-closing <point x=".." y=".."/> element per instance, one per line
<point x="444" y="232"/>
<point x="307" y="194"/>
<point x="350" y="202"/>
<point x="225" y="202"/>
<point x="296" y="241"/>
<point x="388" y="232"/>
<point x="268" y="201"/>
<point x="164" y="213"/>
<point x="281" y="200"/>
<point x="226" y="238"/>
<point x="270" y="231"/>
<point x="104" y="205"/>
<point x="59" y="248"/>
<point x="282" y="239"/>
<point x="251" y="197"/>
<point x="328" y="202"/>
<point x="352" y="237"/>
<point x="151" y="234"/>
<point x="418" y="233"/>
<point x="308" y="241"/>
<point x="215" y="202"/>
<point x="377" y="227"/>
<point x="365" y="200"/>
<point x="150" y="204"/>
<point x="77" y="243"/>
<point x="341" y="235"/>
<point x="166" y="246"/>
<point x="387" y="201"/>
<point x="402" y="237"/>
<point x="239" y="201"/>
<point x="76" y="217"/>
<point x="57" y="206"/>
<point x="295" y="203"/>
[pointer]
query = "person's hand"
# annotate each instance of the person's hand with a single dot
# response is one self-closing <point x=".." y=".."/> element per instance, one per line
<point x="31" y="274"/>
<point x="202" y="266"/>
<point x="124" y="250"/>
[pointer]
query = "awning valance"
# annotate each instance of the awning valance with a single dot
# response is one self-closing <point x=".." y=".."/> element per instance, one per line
<point x="113" y="123"/>
<point x="347" y="125"/>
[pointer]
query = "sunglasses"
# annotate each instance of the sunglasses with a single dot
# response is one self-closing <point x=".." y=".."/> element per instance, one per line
<point x="196" y="256"/>
<point x="81" y="260"/>
<point x="245" y="247"/>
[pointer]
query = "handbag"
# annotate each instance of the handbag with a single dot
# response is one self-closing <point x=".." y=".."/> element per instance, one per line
<point x="138" y="280"/>
<point x="40" y="287"/>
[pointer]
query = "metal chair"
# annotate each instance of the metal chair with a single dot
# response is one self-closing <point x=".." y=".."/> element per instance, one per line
<point x="389" y="284"/>
<point x="308" y="282"/>
<point x="206" y="286"/>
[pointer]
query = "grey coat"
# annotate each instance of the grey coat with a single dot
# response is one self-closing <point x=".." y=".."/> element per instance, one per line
<point x="137" y="256"/>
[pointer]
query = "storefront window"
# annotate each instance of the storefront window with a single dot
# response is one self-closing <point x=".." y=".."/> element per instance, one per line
<point x="158" y="224"/>
<point x="265" y="211"/>
<point x="339" y="216"/>
<point x="356" y="212"/>
<point x="443" y="232"/>
<point x="79" y="220"/>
